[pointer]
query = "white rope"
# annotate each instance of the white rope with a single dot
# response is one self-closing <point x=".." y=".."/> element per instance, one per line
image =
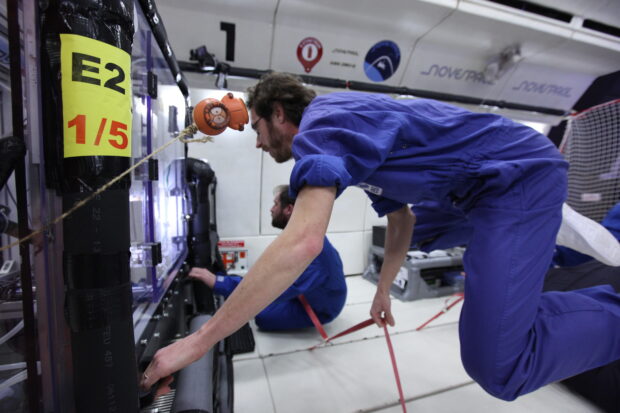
<point x="189" y="131"/>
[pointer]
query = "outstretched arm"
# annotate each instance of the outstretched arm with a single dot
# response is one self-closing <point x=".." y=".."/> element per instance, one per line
<point x="281" y="263"/>
<point x="397" y="241"/>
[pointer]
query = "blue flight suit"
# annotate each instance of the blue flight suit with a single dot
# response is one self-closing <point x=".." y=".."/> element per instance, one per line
<point x="612" y="220"/>
<point x="322" y="283"/>
<point x="439" y="226"/>
<point x="509" y="182"/>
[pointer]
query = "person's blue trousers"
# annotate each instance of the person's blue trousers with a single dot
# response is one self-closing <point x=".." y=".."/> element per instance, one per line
<point x="514" y="338"/>
<point x="286" y="312"/>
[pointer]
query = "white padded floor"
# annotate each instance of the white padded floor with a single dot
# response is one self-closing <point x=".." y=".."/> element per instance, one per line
<point x="355" y="374"/>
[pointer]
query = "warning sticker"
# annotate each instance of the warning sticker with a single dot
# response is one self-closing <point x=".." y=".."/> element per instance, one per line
<point x="231" y="244"/>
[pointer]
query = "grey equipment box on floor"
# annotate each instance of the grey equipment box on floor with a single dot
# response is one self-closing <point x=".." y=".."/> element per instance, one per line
<point x="421" y="275"/>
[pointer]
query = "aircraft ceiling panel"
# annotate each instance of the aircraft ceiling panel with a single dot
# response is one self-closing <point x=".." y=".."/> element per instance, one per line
<point x="545" y="86"/>
<point x="583" y="53"/>
<point x="445" y="62"/>
<point x="604" y="11"/>
<point x="193" y="23"/>
<point x="450" y="70"/>
<point x="557" y="61"/>
<point x="348" y="40"/>
<point x="431" y="45"/>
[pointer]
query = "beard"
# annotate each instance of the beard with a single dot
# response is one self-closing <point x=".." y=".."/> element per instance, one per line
<point x="279" y="146"/>
<point x="279" y="221"/>
<point x="281" y="156"/>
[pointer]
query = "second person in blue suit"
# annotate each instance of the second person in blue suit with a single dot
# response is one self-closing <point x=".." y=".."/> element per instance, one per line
<point x="322" y="283"/>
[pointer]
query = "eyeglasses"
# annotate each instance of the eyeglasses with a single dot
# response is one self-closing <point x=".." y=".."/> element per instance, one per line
<point x="255" y="124"/>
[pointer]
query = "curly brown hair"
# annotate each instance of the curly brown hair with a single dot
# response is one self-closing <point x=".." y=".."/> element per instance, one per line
<point x="284" y="88"/>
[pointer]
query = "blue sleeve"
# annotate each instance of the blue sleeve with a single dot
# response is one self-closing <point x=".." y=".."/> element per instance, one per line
<point x="319" y="170"/>
<point x="338" y="148"/>
<point x="225" y="284"/>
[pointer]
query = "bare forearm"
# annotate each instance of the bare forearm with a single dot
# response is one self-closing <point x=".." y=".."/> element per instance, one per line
<point x="279" y="266"/>
<point x="272" y="274"/>
<point x="276" y="270"/>
<point x="398" y="239"/>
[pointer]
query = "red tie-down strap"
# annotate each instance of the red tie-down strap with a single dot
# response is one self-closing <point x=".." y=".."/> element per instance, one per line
<point x="312" y="315"/>
<point x="359" y="326"/>
<point x="445" y="309"/>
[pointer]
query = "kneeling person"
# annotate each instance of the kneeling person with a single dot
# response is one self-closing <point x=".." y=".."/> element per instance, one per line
<point x="322" y="283"/>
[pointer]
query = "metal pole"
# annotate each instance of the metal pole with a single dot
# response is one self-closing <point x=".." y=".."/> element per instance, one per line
<point x="22" y="204"/>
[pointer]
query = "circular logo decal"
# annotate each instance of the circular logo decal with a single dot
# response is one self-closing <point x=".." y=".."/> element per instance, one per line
<point x="309" y="52"/>
<point x="382" y="60"/>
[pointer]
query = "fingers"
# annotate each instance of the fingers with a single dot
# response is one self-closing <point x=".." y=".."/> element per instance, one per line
<point x="164" y="386"/>
<point x="152" y="373"/>
<point x="382" y="315"/>
<point x="172" y="358"/>
<point x="198" y="274"/>
<point x="150" y="394"/>
<point x="195" y="272"/>
<point x="148" y="378"/>
<point x="376" y="317"/>
<point x="202" y="274"/>
<point x="380" y="310"/>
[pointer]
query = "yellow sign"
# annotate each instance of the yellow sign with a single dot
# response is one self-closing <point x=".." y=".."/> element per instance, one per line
<point x="96" y="97"/>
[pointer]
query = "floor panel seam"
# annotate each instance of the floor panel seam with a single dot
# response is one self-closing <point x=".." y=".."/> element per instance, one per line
<point x="415" y="398"/>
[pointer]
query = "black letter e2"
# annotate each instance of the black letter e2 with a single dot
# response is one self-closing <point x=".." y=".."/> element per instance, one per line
<point x="78" y="67"/>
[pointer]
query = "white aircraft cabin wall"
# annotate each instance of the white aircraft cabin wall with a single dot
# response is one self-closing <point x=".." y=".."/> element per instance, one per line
<point x="442" y="46"/>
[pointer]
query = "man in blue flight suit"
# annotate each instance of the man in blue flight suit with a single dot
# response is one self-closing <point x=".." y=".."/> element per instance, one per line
<point x="510" y="182"/>
<point x="322" y="283"/>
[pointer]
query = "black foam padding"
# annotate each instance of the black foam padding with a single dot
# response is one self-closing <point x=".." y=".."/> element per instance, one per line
<point x="242" y="341"/>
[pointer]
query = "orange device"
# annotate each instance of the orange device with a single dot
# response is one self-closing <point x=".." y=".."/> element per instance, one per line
<point x="212" y="116"/>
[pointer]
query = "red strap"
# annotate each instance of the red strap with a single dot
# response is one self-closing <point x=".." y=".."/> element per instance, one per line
<point x="359" y="326"/>
<point x="349" y="330"/>
<point x="312" y="315"/>
<point x="444" y="310"/>
<point x="393" y="358"/>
